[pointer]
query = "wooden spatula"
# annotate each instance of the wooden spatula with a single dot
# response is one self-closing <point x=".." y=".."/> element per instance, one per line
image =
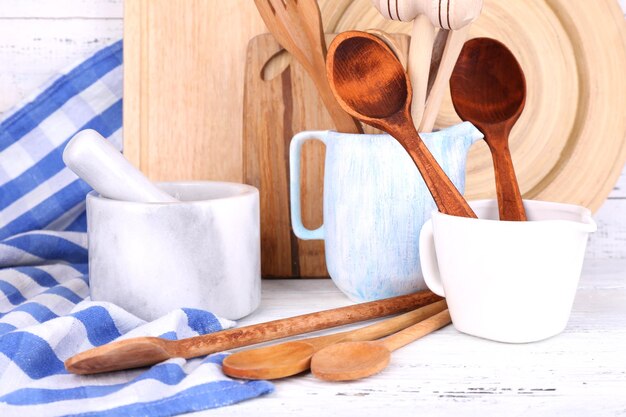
<point x="297" y="26"/>
<point x="144" y="351"/>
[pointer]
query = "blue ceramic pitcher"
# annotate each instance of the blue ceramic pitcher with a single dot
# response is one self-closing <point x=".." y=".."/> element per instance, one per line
<point x="375" y="203"/>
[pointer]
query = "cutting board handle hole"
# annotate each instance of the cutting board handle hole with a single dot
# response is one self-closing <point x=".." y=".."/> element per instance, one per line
<point x="276" y="65"/>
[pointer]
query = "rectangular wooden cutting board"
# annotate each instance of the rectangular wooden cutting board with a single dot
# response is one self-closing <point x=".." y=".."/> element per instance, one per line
<point x="280" y="100"/>
<point x="183" y="86"/>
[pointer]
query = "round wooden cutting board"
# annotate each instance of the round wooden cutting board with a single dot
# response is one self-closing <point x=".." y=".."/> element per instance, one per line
<point x="569" y="145"/>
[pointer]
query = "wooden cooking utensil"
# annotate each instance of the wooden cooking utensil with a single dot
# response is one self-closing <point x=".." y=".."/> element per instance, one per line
<point x="455" y="25"/>
<point x="489" y="89"/>
<point x="290" y="358"/>
<point x="143" y="351"/>
<point x="426" y="16"/>
<point x="370" y="84"/>
<point x="354" y="360"/>
<point x="297" y="26"/>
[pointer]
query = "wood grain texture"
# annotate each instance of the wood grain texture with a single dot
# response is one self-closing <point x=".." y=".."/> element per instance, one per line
<point x="573" y="79"/>
<point x="297" y="26"/>
<point x="578" y="373"/>
<point x="290" y="100"/>
<point x="184" y="69"/>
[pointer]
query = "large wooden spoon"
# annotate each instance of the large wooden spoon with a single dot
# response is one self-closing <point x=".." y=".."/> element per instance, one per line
<point x="370" y="84"/>
<point x="489" y="89"/>
<point x="354" y="360"/>
<point x="144" y="351"/>
<point x="290" y="358"/>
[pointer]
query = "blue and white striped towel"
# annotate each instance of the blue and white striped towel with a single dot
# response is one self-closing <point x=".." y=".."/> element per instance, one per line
<point x="46" y="315"/>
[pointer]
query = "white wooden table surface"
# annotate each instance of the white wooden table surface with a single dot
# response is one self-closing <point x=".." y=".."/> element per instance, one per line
<point x="581" y="372"/>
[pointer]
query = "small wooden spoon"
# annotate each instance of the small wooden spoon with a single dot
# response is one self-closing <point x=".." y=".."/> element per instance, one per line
<point x="489" y="89"/>
<point x="290" y="358"/>
<point x="370" y="84"/>
<point x="354" y="360"/>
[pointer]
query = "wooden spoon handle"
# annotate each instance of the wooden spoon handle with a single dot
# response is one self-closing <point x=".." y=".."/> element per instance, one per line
<point x="454" y="44"/>
<point x="510" y="204"/>
<point x="420" y="51"/>
<point x="417" y="331"/>
<point x="389" y="326"/>
<point x="379" y="329"/>
<point x="447" y="197"/>
<point x="263" y="332"/>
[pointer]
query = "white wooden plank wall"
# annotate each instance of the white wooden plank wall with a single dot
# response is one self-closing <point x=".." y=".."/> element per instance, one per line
<point x="40" y="37"/>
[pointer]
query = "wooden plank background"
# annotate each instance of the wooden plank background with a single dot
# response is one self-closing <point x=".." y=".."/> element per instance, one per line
<point x="38" y="38"/>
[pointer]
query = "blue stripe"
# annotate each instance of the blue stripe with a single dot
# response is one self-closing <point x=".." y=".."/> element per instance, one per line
<point x="79" y="224"/>
<point x="38" y="311"/>
<point x="31" y="354"/>
<point x="83" y="268"/>
<point x="47" y="211"/>
<point x="6" y="328"/>
<point x="41" y="277"/>
<point x="49" y="247"/>
<point x="66" y="293"/>
<point x="202" y="321"/>
<point x="99" y="325"/>
<point x="63" y="89"/>
<point x="105" y="123"/>
<point x="167" y="373"/>
<point x="201" y="397"/>
<point x="12" y="294"/>
<point x="169" y="335"/>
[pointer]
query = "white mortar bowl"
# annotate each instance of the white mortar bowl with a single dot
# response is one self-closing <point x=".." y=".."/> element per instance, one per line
<point x="202" y="252"/>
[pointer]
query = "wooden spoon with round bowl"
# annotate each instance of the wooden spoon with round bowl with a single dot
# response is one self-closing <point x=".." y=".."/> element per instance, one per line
<point x="489" y="90"/>
<point x="290" y="358"/>
<point x="370" y="84"/>
<point x="354" y="360"/>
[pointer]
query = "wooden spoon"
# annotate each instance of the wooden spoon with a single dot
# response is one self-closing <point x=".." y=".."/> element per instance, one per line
<point x="354" y="360"/>
<point x="144" y="351"/>
<point x="370" y="84"/>
<point x="290" y="358"/>
<point x="297" y="26"/>
<point x="489" y="89"/>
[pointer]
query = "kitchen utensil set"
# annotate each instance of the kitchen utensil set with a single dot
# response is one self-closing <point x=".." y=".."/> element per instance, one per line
<point x="361" y="78"/>
<point x="143" y="351"/>
<point x="290" y="358"/>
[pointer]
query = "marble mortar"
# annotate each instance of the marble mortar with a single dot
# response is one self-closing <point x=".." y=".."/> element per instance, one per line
<point x="202" y="252"/>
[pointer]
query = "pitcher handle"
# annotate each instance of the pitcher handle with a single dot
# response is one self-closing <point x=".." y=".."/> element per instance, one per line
<point x="295" y="150"/>
<point x="428" y="259"/>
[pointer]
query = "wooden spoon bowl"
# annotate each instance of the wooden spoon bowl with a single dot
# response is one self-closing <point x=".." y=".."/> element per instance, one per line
<point x="336" y="363"/>
<point x="358" y="60"/>
<point x="353" y="360"/>
<point x="489" y="84"/>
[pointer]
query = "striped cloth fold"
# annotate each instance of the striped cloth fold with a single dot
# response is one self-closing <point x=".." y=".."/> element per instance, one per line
<point x="46" y="315"/>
